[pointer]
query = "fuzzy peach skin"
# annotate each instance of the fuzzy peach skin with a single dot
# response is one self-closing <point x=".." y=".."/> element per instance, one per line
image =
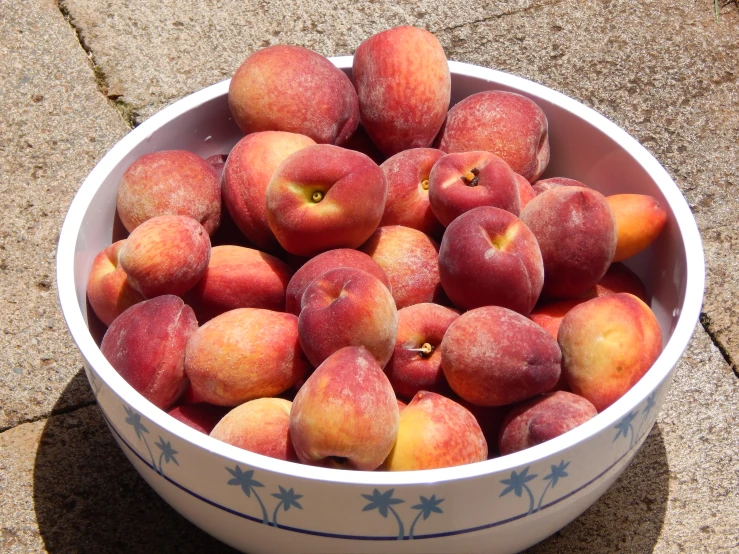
<point x="244" y="354"/>
<point x="492" y="356"/>
<point x="435" y="431"/>
<point x="166" y="254"/>
<point x="404" y="86"/>
<point x="608" y="343"/>
<point x="541" y="419"/>
<point x="332" y="259"/>
<point x="238" y="277"/>
<point x="293" y="89"/>
<point x="462" y="181"/>
<point x="324" y="197"/>
<point x="217" y="162"/>
<point x="525" y="191"/>
<point x="549" y="314"/>
<point x="407" y="203"/>
<point x="146" y="346"/>
<point x="504" y="123"/>
<point x="489" y="418"/>
<point x="576" y="232"/>
<point x="489" y="257"/>
<point x="411" y="262"/>
<point x="347" y="307"/>
<point x="345" y="416"/>
<point x="261" y="425"/>
<point x="248" y="170"/>
<point x="200" y="416"/>
<point x="639" y="220"/>
<point x="544" y="185"/>
<point x="416" y="361"/>
<point x="170" y="182"/>
<point x="108" y="290"/>
<point x="620" y="278"/>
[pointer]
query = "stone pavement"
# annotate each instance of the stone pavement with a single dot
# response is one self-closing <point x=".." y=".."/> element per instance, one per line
<point x="78" y="74"/>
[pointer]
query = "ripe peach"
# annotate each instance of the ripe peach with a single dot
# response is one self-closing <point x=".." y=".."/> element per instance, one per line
<point x="462" y="181"/>
<point x="146" y="346"/>
<point x="492" y="356"/>
<point x="541" y="419"/>
<point x="416" y="361"/>
<point x="231" y="359"/>
<point x="489" y="257"/>
<point x="108" y="289"/>
<point x="504" y="123"/>
<point x="435" y="431"/>
<point x="489" y="418"/>
<point x="544" y="185"/>
<point x="217" y="161"/>
<point x="170" y="182"/>
<point x="361" y="142"/>
<point x="238" y="277"/>
<point x="293" y="89"/>
<point x="200" y="416"/>
<point x="324" y="197"/>
<point x="347" y="307"/>
<point x="166" y="254"/>
<point x="404" y="86"/>
<point x="525" y="191"/>
<point x="549" y="314"/>
<point x="639" y="220"/>
<point x="332" y="259"/>
<point x="608" y="343"/>
<point x="407" y="203"/>
<point x="249" y="168"/>
<point x="261" y="425"/>
<point x="345" y="416"/>
<point x="410" y="261"/>
<point x="620" y="278"/>
<point x="576" y="233"/>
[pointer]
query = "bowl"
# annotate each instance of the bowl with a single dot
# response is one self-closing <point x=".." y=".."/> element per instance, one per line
<point x="259" y="504"/>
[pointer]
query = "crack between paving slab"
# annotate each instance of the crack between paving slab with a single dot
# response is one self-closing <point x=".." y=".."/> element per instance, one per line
<point x="124" y="109"/>
<point x="53" y="413"/>
<point x="498" y="16"/>
<point x="706" y="322"/>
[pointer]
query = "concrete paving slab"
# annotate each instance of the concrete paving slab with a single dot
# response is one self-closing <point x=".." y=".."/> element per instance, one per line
<point x="65" y="486"/>
<point x="54" y="126"/>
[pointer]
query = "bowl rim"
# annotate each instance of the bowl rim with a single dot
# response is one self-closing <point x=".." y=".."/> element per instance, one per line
<point x="668" y="359"/>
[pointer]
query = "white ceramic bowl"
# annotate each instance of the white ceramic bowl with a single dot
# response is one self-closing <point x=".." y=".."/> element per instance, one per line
<point x="259" y="504"/>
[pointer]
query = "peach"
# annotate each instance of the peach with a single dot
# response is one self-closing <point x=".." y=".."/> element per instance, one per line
<point x="146" y="346"/>
<point x="261" y="425"/>
<point x="620" y="278"/>
<point x="404" y="86"/>
<point x="525" y="191"/>
<point x="324" y="197"/>
<point x="407" y="203"/>
<point x="576" y="232"/>
<point x="293" y="89"/>
<point x="541" y="419"/>
<point x="435" y="431"/>
<point x="489" y="257"/>
<point x="200" y="416"/>
<point x="108" y="289"/>
<point x="249" y="168"/>
<point x="232" y="359"/>
<point x="549" y="314"/>
<point x="639" y="221"/>
<point x="238" y="277"/>
<point x="361" y="142"/>
<point x="345" y="416"/>
<point x="347" y="307"/>
<point x="332" y="259"/>
<point x="493" y="356"/>
<point x="489" y="418"/>
<point x="462" y="181"/>
<point x="170" y="182"/>
<point x="217" y="161"/>
<point x="416" y="361"/>
<point x="410" y="261"/>
<point x="544" y="185"/>
<point x="608" y="343"/>
<point x="166" y="254"/>
<point x="504" y="123"/>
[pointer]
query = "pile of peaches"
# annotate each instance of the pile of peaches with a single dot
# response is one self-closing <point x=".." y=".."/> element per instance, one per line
<point x="370" y="279"/>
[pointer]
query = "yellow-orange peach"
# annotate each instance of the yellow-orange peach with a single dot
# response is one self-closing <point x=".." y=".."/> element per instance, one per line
<point x="639" y="221"/>
<point x="233" y="359"/>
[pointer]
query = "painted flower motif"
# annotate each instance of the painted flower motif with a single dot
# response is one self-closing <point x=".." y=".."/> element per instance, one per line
<point x="557" y="473"/>
<point x="516" y="484"/>
<point x="134" y="419"/>
<point x="287" y="498"/>
<point x="245" y="480"/>
<point x="625" y="428"/>
<point x="167" y="455"/>
<point x="651" y="403"/>
<point x="383" y="503"/>
<point x="426" y="507"/>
